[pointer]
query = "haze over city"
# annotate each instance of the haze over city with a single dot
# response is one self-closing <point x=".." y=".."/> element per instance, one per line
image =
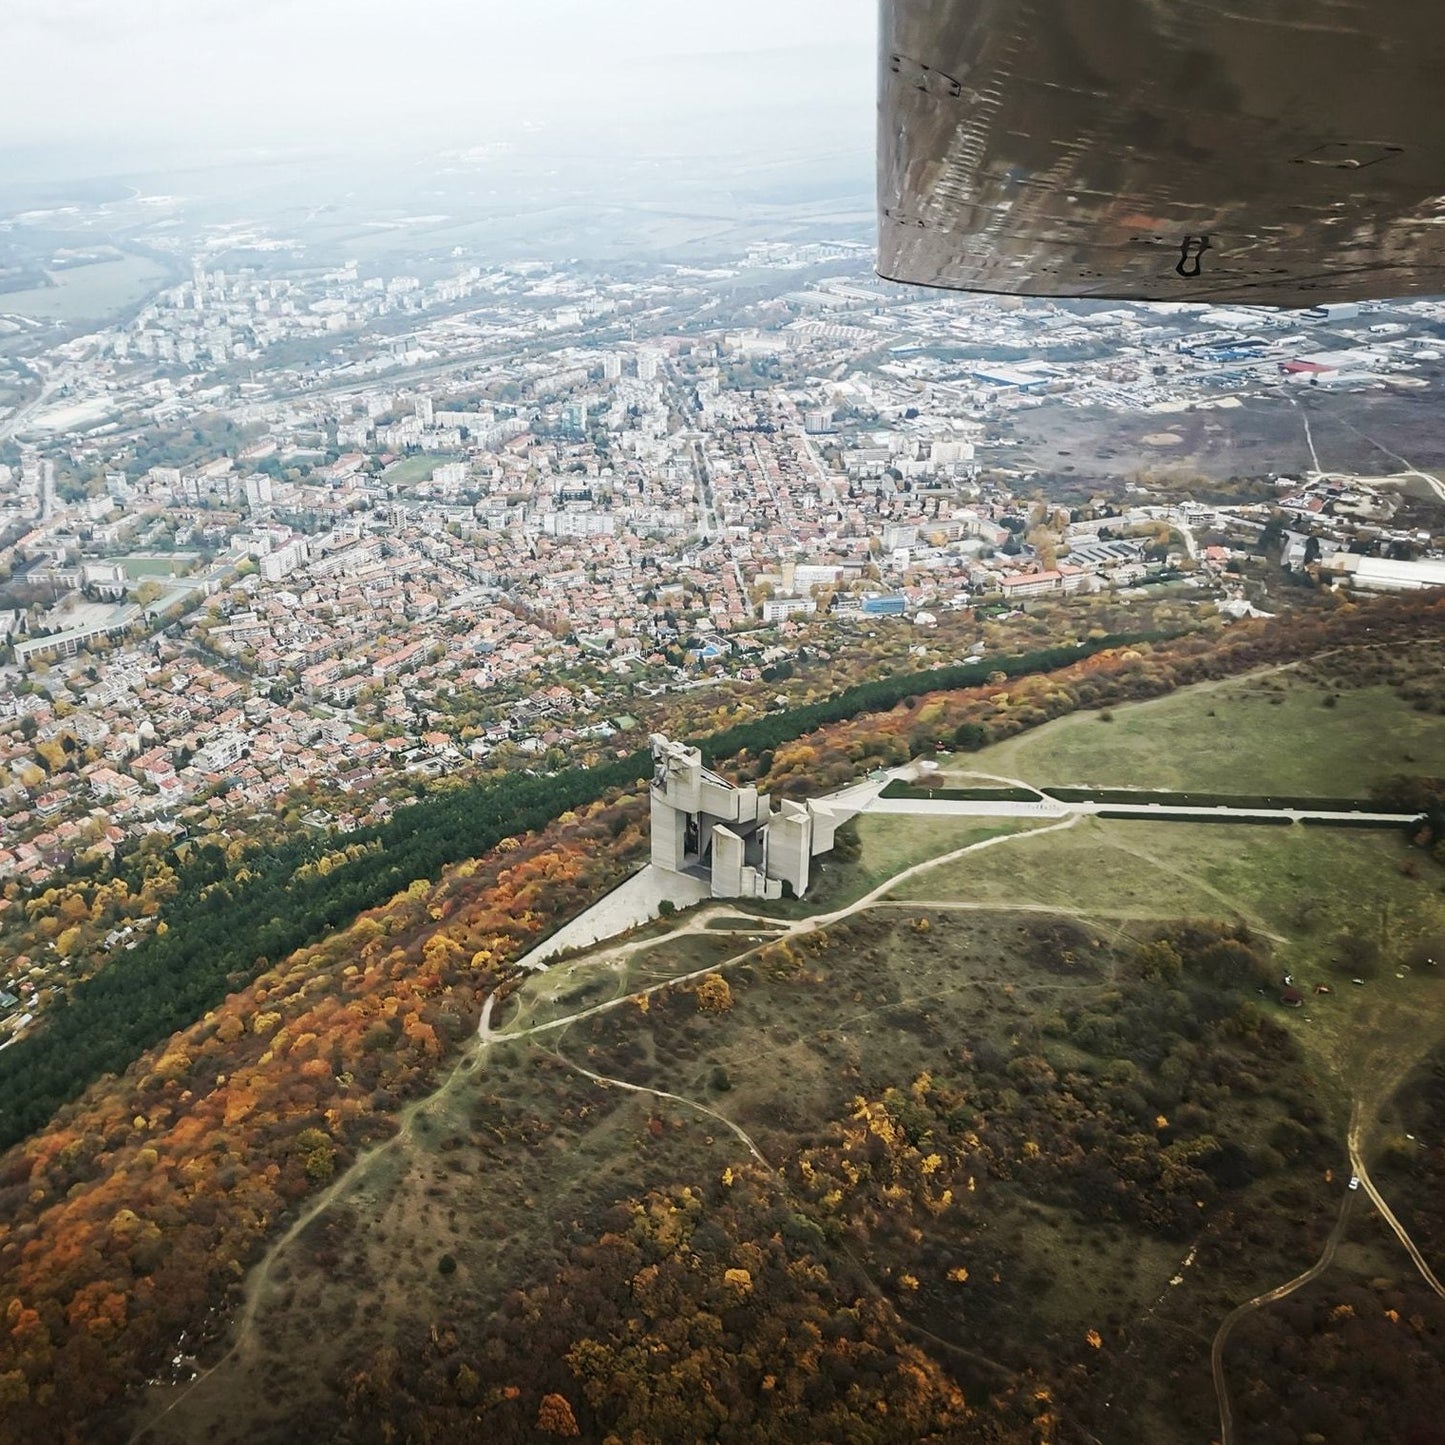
<point x="140" y="84"/>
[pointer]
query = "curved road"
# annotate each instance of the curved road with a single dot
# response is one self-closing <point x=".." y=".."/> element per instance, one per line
<point x="1221" y="1337"/>
<point x="1327" y="1255"/>
<point x="1358" y="1168"/>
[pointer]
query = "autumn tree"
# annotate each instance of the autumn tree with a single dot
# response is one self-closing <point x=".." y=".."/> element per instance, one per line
<point x="714" y="996"/>
<point x="555" y="1417"/>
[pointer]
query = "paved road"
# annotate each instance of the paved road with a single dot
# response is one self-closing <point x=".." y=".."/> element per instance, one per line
<point x="1052" y="808"/>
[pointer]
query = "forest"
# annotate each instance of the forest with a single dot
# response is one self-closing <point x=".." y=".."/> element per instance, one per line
<point x="128" y="1221"/>
<point x="221" y="926"/>
<point x="887" y="1276"/>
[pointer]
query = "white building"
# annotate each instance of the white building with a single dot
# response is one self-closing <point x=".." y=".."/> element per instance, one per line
<point x="1381" y="574"/>
<point x="779" y="609"/>
<point x="285" y="560"/>
<point x="702" y="823"/>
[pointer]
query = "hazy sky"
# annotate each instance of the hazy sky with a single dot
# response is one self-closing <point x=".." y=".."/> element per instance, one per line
<point x="141" y="78"/>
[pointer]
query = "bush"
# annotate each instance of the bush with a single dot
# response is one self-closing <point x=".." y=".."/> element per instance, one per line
<point x="713" y="994"/>
<point x="1357" y="954"/>
<point x="970" y="736"/>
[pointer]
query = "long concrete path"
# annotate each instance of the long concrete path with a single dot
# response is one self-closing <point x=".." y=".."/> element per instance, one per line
<point x="1168" y="812"/>
<point x="638" y="900"/>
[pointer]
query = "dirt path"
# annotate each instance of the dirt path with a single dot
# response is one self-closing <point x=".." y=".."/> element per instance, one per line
<point x="1362" y="1173"/>
<point x="1409" y="468"/>
<point x="1226" y="1328"/>
<point x="244" y="1327"/>
<point x="607" y="1082"/>
<point x="1109" y="915"/>
<point x="1359" y="1113"/>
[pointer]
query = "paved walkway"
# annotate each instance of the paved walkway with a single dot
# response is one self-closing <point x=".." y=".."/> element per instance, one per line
<point x="629" y="904"/>
<point x="1168" y="812"/>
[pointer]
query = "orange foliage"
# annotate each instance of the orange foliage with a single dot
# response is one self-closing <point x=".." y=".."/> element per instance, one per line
<point x="139" y="1205"/>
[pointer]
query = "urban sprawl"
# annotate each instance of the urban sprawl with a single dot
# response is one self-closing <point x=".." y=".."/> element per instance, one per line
<point x="283" y="541"/>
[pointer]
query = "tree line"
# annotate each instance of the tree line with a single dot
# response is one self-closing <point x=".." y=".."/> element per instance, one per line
<point x="222" y="926"/>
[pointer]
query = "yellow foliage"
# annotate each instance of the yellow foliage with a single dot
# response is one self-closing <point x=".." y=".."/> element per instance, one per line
<point x="1094" y="1340"/>
<point x="738" y="1279"/>
<point x="713" y="994"/>
<point x="959" y="1275"/>
<point x="173" y="1066"/>
<point x="908" y="1281"/>
<point x="229" y="1030"/>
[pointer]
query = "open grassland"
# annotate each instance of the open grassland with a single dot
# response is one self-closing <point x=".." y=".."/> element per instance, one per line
<point x="890" y="844"/>
<point x="1270" y="733"/>
<point x="1306" y="889"/>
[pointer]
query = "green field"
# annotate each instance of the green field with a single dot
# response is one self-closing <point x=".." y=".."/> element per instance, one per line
<point x="891" y="843"/>
<point x="87" y="292"/>
<point x="1270" y="734"/>
<point x="412" y="470"/>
